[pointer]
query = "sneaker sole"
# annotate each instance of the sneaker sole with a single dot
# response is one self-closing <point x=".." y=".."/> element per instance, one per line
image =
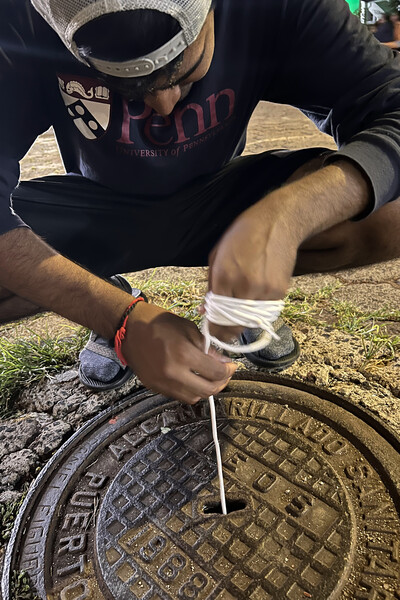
<point x="277" y="365"/>
<point x="102" y="386"/>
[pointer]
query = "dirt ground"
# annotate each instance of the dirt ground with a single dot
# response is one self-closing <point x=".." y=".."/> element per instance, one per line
<point x="330" y="358"/>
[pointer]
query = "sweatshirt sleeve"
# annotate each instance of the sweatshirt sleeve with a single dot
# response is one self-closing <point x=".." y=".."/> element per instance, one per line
<point x="23" y="113"/>
<point x="348" y="84"/>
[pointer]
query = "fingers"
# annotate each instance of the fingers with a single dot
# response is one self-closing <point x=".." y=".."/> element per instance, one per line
<point x="171" y="360"/>
<point x="190" y="383"/>
<point x="191" y="388"/>
<point x="195" y="387"/>
<point x="213" y="366"/>
<point x="208" y="388"/>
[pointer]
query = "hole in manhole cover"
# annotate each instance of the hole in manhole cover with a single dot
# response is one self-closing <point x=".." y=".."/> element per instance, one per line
<point x="129" y="507"/>
<point x="231" y="506"/>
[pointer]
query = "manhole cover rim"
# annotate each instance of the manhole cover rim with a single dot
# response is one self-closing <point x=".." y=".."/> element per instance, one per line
<point x="364" y="414"/>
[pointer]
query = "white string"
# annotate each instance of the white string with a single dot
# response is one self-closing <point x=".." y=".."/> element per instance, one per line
<point x="218" y="454"/>
<point x="252" y="314"/>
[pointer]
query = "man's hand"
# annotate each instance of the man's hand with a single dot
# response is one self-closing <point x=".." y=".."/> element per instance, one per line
<point x="253" y="260"/>
<point x="256" y="257"/>
<point x="167" y="354"/>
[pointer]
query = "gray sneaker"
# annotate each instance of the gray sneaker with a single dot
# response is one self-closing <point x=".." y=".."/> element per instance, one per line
<point x="279" y="354"/>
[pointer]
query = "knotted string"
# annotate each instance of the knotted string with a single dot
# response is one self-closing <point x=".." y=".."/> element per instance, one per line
<point x="251" y="314"/>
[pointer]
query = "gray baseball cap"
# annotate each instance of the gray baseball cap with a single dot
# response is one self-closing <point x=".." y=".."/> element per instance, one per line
<point x="67" y="16"/>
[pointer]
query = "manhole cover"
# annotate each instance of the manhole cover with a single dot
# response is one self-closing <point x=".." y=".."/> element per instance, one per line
<point x="128" y="509"/>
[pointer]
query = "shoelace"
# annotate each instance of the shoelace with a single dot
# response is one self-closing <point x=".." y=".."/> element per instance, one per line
<point x="251" y="314"/>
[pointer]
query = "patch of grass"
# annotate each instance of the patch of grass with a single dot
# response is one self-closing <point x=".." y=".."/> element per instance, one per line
<point x="26" y="361"/>
<point x="353" y="320"/>
<point x="182" y="297"/>
<point x="22" y="587"/>
<point x="301" y="310"/>
<point x="379" y="347"/>
<point x="8" y="514"/>
<point x="307" y="308"/>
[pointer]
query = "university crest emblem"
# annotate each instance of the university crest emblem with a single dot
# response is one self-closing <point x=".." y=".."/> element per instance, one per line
<point x="88" y="104"/>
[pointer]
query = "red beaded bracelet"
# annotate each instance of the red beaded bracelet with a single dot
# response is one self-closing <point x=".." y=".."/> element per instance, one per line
<point x="121" y="331"/>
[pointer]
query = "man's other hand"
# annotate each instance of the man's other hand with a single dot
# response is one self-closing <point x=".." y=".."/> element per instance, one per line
<point x="167" y="354"/>
<point x="253" y="260"/>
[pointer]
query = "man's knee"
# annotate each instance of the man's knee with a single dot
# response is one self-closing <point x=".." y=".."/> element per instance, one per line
<point x="354" y="243"/>
<point x="378" y="236"/>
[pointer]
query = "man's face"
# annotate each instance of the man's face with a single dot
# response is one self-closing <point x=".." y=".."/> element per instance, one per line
<point x="167" y="92"/>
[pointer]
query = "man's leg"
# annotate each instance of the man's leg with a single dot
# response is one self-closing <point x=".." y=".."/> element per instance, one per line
<point x="352" y="243"/>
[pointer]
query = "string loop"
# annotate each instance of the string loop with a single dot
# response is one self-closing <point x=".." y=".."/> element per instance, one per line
<point x="251" y="314"/>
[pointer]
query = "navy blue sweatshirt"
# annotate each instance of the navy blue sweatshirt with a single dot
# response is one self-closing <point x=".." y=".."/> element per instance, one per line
<point x="312" y="54"/>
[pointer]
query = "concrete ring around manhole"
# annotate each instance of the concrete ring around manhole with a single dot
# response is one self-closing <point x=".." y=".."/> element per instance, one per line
<point x="128" y="508"/>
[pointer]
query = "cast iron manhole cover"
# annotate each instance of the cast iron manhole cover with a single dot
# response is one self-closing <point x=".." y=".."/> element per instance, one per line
<point x="128" y="509"/>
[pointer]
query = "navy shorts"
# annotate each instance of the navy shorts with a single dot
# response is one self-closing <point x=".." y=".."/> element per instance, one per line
<point x="109" y="232"/>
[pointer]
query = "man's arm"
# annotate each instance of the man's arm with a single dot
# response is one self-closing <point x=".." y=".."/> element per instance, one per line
<point x="256" y="256"/>
<point x="33" y="270"/>
<point x="348" y="83"/>
<point x="165" y="351"/>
